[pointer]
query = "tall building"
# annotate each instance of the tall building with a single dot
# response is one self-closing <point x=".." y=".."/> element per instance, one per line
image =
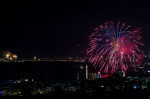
<point x="83" y="72"/>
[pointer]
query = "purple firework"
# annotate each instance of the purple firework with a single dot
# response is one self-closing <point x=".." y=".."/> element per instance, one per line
<point x="115" y="48"/>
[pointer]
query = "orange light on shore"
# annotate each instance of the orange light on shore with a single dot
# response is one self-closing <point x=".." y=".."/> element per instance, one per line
<point x="8" y="54"/>
<point x="14" y="56"/>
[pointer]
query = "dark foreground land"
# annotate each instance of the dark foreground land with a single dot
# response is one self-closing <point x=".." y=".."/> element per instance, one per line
<point x="116" y="94"/>
<point x="132" y="86"/>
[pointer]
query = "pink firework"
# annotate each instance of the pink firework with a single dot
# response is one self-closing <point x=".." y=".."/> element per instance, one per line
<point x="115" y="48"/>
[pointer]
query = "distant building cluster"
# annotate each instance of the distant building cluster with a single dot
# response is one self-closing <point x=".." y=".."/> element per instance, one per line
<point x="10" y="57"/>
<point x="57" y="59"/>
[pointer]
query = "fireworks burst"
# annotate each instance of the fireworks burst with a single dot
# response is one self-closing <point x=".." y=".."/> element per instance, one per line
<point x="112" y="49"/>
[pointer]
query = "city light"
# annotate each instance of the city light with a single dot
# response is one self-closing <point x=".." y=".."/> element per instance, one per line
<point x="14" y="56"/>
<point x="26" y="80"/>
<point x="8" y="54"/>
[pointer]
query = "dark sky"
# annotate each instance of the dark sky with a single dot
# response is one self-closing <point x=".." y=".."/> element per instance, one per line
<point x="48" y="29"/>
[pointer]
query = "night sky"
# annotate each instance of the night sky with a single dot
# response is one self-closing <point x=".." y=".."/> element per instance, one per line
<point x="50" y="29"/>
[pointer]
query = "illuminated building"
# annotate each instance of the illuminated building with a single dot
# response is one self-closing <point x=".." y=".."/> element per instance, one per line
<point x="93" y="76"/>
<point x="96" y="75"/>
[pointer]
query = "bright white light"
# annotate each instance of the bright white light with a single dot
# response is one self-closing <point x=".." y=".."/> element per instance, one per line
<point x="148" y="71"/>
<point x="102" y="86"/>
